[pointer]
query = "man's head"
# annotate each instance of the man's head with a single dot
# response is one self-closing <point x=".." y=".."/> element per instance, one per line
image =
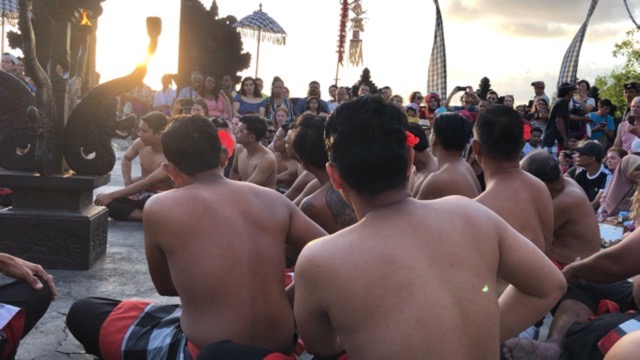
<point x="196" y="80"/>
<point x="386" y="93"/>
<point x="565" y="90"/>
<point x="492" y="97"/>
<point x="538" y="87"/>
<point x="363" y="90"/>
<point x="226" y="82"/>
<point x="308" y="142"/>
<point x="191" y="144"/>
<point x="605" y="106"/>
<point x="498" y="134"/>
<point x="483" y="105"/>
<point x="314" y="89"/>
<point x="536" y="137"/>
<point x="590" y="152"/>
<point x="252" y="129"/>
<point x="151" y="127"/>
<point x="166" y="80"/>
<point x="367" y="146"/>
<point x="451" y="131"/>
<point x="418" y="131"/>
<point x="631" y="90"/>
<point x="635" y="107"/>
<point x="543" y="165"/>
<point x="9" y="63"/>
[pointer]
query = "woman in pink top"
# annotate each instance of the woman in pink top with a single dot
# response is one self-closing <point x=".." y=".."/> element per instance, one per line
<point x="217" y="102"/>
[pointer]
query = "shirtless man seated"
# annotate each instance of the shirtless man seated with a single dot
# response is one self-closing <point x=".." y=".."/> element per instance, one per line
<point x="226" y="268"/>
<point x="287" y="166"/>
<point x="450" y="134"/>
<point x="128" y="203"/>
<point x="601" y="276"/>
<point x="575" y="229"/>
<point x="253" y="162"/>
<point x="326" y="206"/>
<point x="398" y="283"/>
<point x="424" y="163"/>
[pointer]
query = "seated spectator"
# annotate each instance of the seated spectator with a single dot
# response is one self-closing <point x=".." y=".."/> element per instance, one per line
<point x="613" y="158"/>
<point x="200" y="107"/>
<point x="164" y="98"/>
<point x="230" y="261"/>
<point x="191" y="91"/>
<point x="593" y="177"/>
<point x="23" y="301"/>
<point x="619" y="194"/>
<point x="249" y="100"/>
<point x="314" y="90"/>
<point x="313" y="107"/>
<point x="277" y="103"/>
<point x="603" y="128"/>
<point x="217" y="102"/>
<point x="287" y="166"/>
<point x="344" y="302"/>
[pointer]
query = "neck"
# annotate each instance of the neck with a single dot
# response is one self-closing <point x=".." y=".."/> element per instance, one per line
<point x="593" y="168"/>
<point x="157" y="148"/>
<point x="320" y="174"/>
<point x="557" y="187"/>
<point x="205" y="177"/>
<point x="253" y="147"/>
<point x="447" y="156"/>
<point x="422" y="160"/>
<point x="365" y="205"/>
<point x="494" y="170"/>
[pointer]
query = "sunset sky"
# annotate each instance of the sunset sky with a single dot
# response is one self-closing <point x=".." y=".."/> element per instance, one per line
<point x="513" y="42"/>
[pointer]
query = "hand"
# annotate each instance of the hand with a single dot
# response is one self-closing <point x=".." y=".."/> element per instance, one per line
<point x="565" y="144"/>
<point x="103" y="199"/>
<point x="23" y="270"/>
<point x="569" y="274"/>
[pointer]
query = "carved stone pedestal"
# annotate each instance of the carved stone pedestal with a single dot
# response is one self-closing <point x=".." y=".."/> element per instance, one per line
<point x="53" y="221"/>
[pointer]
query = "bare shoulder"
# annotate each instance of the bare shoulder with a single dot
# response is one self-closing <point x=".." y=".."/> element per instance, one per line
<point x="310" y="205"/>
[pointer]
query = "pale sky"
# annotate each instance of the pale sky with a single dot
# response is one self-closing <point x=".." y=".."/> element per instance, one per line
<point x="513" y="42"/>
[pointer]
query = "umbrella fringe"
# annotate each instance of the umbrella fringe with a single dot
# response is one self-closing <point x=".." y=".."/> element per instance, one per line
<point x="276" y="39"/>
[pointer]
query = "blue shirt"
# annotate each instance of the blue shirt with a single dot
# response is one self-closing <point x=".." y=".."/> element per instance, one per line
<point x="597" y="134"/>
<point x="247" y="106"/>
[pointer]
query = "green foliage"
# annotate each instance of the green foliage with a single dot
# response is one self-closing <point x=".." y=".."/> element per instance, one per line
<point x="611" y="85"/>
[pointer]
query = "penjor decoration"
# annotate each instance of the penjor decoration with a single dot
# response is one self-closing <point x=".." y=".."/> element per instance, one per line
<point x="357" y="26"/>
<point x="342" y="31"/>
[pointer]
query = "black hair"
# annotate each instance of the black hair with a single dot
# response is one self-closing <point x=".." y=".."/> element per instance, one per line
<point x="452" y="130"/>
<point x="256" y="125"/>
<point x="586" y="83"/>
<point x="536" y="130"/>
<point x="365" y="141"/>
<point x="256" y="91"/>
<point x="191" y="143"/>
<point x="500" y="132"/>
<point x="418" y="131"/>
<point x="308" y="142"/>
<point x="156" y="121"/>
<point x="542" y="165"/>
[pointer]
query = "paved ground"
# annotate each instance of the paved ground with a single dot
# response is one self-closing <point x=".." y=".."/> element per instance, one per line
<point x="121" y="273"/>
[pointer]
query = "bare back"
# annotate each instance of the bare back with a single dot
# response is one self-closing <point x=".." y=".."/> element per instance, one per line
<point x="576" y="232"/>
<point x="226" y="259"/>
<point x="400" y="294"/>
<point x="453" y="178"/>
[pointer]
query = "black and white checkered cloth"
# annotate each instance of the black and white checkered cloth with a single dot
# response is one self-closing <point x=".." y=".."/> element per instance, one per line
<point x="569" y="68"/>
<point x="437" y="80"/>
<point x="260" y="20"/>
<point x="9" y="9"/>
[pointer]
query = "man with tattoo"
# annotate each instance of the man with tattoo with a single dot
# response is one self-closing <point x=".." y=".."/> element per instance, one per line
<point x="325" y="206"/>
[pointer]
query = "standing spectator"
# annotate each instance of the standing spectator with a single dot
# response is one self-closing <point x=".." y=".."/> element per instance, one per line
<point x="534" y="141"/>
<point x="164" y="98"/>
<point x="386" y="93"/>
<point x="629" y="130"/>
<point x="276" y="100"/>
<point x="508" y="101"/>
<point x="397" y="100"/>
<point x="538" y="88"/>
<point x="603" y="127"/>
<point x="191" y="91"/>
<point x="581" y="99"/>
<point x="557" y="129"/>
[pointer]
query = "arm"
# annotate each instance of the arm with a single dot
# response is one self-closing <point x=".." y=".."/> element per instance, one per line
<point x="563" y="131"/>
<point x="611" y="265"/>
<point x="265" y="168"/>
<point x="448" y="100"/>
<point x="156" y="177"/>
<point x="528" y="297"/>
<point x="618" y="141"/>
<point x="153" y="223"/>
<point x="314" y="324"/>
<point x="434" y="188"/>
<point x="23" y="270"/>
<point x="236" y="107"/>
<point x="263" y="108"/>
<point x="132" y="152"/>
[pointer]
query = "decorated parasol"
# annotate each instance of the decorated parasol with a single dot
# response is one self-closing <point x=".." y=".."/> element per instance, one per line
<point x="261" y="27"/>
<point x="9" y="14"/>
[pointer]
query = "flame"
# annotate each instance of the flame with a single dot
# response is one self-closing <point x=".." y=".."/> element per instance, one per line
<point x="85" y="20"/>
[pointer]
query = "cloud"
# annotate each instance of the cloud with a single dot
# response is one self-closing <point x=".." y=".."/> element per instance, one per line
<point x="570" y="13"/>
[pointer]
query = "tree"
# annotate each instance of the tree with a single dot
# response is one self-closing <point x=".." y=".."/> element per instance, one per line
<point x="611" y="86"/>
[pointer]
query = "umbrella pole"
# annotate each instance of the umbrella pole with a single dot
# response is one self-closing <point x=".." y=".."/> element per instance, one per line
<point x="258" y="53"/>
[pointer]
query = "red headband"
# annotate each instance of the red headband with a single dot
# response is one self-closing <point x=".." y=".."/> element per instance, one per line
<point x="226" y="141"/>
<point x="412" y="140"/>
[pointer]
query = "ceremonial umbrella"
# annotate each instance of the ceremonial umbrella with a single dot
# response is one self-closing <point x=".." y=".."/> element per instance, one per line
<point x="262" y="27"/>
<point x="8" y="12"/>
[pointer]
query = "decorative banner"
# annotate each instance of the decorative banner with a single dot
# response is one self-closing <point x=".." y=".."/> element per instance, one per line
<point x="569" y="68"/>
<point x="437" y="80"/>
<point x="342" y="30"/>
<point x="357" y="26"/>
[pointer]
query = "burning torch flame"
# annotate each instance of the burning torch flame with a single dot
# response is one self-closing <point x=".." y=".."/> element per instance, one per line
<point x="85" y="20"/>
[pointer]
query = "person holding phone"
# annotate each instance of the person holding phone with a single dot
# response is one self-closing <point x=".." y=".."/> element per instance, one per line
<point x="469" y="99"/>
<point x="603" y="127"/>
<point x="629" y="129"/>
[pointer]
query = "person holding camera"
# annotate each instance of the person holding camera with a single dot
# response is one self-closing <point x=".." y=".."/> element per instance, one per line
<point x="603" y="126"/>
<point x="628" y="129"/>
<point x="469" y="99"/>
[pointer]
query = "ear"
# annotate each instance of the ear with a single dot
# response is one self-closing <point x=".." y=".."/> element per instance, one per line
<point x="223" y="158"/>
<point x="171" y="170"/>
<point x="475" y="144"/>
<point x="334" y="176"/>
